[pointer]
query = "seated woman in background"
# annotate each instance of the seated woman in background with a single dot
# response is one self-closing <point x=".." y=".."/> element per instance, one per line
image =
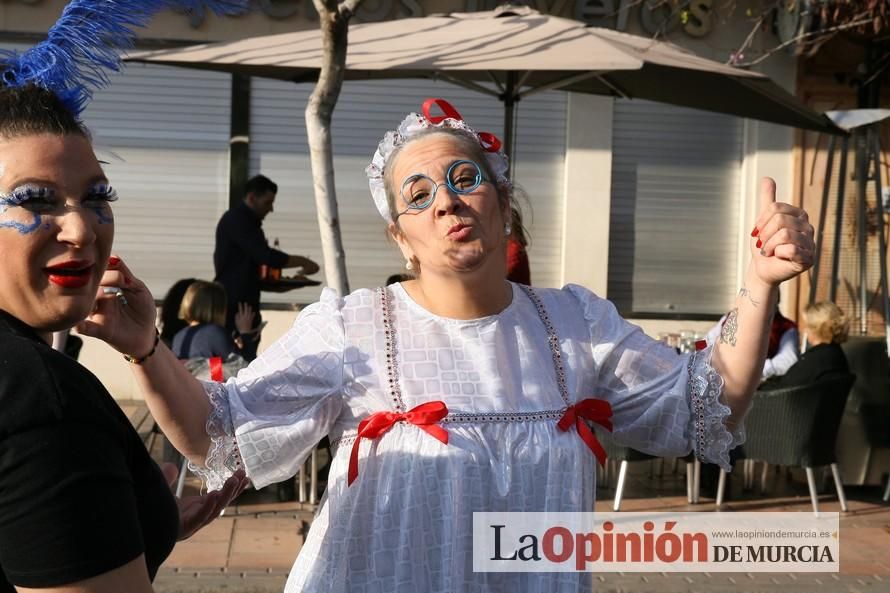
<point x="784" y="346"/>
<point x="203" y="308"/>
<point x="826" y="328"/>
<point x="170" y="323"/>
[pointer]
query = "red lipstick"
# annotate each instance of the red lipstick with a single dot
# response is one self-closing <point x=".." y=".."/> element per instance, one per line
<point x="70" y="274"/>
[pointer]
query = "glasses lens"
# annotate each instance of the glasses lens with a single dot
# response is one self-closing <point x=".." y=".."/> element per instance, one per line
<point x="418" y="191"/>
<point x="464" y="177"/>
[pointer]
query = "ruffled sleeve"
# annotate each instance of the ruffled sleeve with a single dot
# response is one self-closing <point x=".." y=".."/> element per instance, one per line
<point x="663" y="403"/>
<point x="275" y="411"/>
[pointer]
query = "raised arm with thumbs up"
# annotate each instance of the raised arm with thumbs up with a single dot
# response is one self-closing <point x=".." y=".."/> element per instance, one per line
<point x="782" y="247"/>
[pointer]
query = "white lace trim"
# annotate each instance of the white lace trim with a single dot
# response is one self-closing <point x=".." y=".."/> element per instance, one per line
<point x="712" y="441"/>
<point x="223" y="457"/>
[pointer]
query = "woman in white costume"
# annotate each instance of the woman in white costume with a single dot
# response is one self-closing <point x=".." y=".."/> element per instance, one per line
<point x="457" y="391"/>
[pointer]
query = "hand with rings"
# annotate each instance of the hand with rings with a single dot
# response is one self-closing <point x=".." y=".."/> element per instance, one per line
<point x="119" y="293"/>
<point x="124" y="313"/>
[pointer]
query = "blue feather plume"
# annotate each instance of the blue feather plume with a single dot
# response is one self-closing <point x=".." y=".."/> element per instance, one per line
<point x="87" y="41"/>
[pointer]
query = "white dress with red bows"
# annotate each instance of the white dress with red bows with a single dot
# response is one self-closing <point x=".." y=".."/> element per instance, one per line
<point x="505" y="381"/>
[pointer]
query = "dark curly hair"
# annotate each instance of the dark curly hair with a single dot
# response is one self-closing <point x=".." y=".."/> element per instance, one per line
<point x="31" y="109"/>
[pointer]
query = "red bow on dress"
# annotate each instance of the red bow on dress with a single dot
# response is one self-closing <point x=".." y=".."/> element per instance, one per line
<point x="488" y="141"/>
<point x="595" y="410"/>
<point x="425" y="416"/>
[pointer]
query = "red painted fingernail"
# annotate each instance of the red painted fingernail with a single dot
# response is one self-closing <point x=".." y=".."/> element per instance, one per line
<point x="759" y="243"/>
<point x="114" y="260"/>
<point x="755" y="232"/>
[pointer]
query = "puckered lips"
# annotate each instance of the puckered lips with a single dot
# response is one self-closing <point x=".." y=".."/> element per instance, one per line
<point x="74" y="273"/>
<point x="459" y="232"/>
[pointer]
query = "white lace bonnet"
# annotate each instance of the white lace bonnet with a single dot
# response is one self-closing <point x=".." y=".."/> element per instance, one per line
<point x="410" y="127"/>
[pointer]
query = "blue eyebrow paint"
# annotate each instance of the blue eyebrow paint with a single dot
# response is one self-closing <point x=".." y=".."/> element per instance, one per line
<point x="5" y="203"/>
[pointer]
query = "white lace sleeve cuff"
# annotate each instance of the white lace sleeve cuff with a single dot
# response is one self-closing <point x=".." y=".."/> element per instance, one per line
<point x="223" y="457"/>
<point x="712" y="440"/>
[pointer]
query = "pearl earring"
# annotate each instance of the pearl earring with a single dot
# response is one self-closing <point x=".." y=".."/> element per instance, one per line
<point x="507" y="230"/>
<point x="408" y="265"/>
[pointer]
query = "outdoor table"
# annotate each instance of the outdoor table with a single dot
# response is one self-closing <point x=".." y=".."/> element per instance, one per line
<point x="286" y="284"/>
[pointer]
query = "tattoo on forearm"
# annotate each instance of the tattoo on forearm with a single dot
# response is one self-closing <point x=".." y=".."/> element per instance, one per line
<point x="730" y="328"/>
<point x="745" y="293"/>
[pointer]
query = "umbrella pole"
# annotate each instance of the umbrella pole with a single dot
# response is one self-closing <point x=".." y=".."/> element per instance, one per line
<point x="875" y="146"/>
<point x="509" y="99"/>
<point x="862" y="151"/>
<point x="823" y="211"/>
<point x="838" y="220"/>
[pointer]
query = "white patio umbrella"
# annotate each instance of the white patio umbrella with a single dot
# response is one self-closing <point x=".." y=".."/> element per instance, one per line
<point x="519" y="52"/>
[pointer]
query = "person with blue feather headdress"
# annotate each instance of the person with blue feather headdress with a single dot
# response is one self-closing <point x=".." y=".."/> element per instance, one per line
<point x="83" y="507"/>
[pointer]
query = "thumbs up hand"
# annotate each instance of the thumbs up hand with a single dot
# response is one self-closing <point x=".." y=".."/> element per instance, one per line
<point x="782" y="244"/>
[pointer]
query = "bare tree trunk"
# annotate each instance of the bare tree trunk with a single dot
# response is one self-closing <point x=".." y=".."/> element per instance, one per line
<point x="334" y="22"/>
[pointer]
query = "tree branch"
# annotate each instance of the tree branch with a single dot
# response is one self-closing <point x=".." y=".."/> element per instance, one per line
<point x="736" y="55"/>
<point x="347" y="8"/>
<point x="333" y="20"/>
<point x="829" y="32"/>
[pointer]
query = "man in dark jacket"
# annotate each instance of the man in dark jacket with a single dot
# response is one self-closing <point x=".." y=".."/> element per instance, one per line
<point x="241" y="250"/>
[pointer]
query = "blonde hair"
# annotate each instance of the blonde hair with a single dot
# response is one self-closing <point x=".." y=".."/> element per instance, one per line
<point x="826" y="321"/>
<point x="204" y="302"/>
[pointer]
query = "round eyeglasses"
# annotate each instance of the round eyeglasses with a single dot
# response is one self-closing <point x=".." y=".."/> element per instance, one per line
<point x="419" y="191"/>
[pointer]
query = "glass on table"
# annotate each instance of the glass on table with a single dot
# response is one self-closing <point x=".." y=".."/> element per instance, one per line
<point x="670" y="338"/>
<point x="687" y="341"/>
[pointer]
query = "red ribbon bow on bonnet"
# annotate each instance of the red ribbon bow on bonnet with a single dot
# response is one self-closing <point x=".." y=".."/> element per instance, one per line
<point x="488" y="141"/>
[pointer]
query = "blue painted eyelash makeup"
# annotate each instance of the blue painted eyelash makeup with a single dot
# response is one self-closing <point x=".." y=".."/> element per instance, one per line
<point x="22" y="194"/>
<point x="106" y="193"/>
<point x="15" y="198"/>
<point x="27" y="193"/>
<point x="22" y="228"/>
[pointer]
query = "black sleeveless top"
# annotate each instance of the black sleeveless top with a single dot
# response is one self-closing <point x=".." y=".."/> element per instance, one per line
<point x="79" y="494"/>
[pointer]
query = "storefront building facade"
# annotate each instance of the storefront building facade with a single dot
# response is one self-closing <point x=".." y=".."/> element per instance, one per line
<point x="645" y="203"/>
